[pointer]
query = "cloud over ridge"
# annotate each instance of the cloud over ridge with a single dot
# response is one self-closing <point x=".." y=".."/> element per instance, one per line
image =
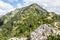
<point x="50" y="5"/>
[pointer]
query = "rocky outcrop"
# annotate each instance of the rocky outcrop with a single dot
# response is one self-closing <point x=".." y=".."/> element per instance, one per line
<point x="42" y="32"/>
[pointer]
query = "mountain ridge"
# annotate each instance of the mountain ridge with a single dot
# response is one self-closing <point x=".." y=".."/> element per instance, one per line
<point x="21" y="22"/>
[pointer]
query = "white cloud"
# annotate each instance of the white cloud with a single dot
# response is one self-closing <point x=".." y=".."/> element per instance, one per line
<point x="27" y="2"/>
<point x="5" y="7"/>
<point x="2" y="12"/>
<point x="53" y="5"/>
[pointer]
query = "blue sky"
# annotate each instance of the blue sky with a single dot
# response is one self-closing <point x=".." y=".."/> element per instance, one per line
<point x="14" y="2"/>
<point x="10" y="5"/>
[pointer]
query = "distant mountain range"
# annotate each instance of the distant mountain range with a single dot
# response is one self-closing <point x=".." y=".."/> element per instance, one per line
<point x="21" y="22"/>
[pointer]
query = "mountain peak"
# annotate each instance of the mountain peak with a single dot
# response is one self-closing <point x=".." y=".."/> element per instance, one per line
<point x="34" y="4"/>
<point x="37" y="6"/>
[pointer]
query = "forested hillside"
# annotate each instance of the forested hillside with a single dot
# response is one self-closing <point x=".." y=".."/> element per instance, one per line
<point x="21" y="22"/>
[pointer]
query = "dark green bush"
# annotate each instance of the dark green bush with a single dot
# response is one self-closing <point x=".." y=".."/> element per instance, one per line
<point x="56" y="37"/>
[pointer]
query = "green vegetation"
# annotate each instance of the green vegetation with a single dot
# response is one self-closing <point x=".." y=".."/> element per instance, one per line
<point x="58" y="17"/>
<point x="56" y="37"/>
<point x="21" y="22"/>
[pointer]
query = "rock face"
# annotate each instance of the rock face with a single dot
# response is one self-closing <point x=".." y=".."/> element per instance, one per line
<point x="42" y="32"/>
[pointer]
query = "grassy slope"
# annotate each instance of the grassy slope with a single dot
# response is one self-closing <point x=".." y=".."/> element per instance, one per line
<point x="21" y="22"/>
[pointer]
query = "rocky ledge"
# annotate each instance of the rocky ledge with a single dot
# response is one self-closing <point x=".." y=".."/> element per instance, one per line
<point x="42" y="32"/>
